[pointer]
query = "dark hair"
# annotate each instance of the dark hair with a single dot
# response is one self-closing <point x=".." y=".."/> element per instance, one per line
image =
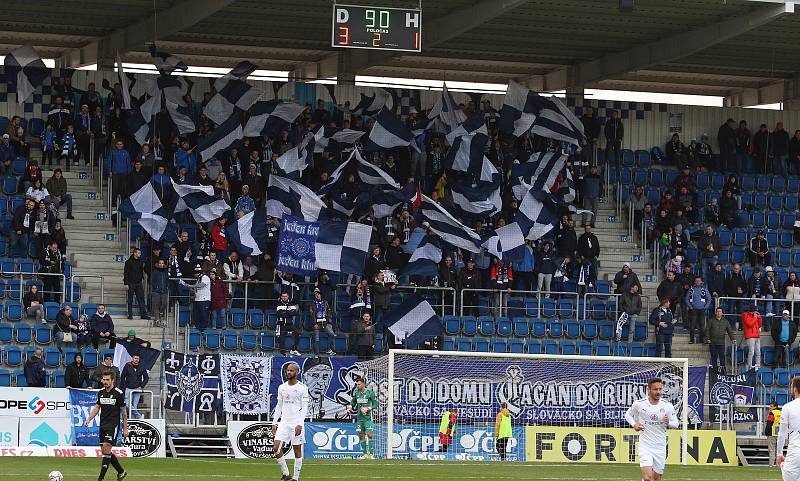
<point x="796" y="383"/>
<point x="654" y="381"/>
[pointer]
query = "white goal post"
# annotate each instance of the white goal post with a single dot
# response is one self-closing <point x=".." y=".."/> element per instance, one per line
<point x="541" y="390"/>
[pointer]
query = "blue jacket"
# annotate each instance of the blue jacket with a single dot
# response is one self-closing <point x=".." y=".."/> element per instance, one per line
<point x="119" y="160"/>
<point x="185" y="159"/>
<point x="69" y="145"/>
<point x="159" y="281"/>
<point x="35" y="375"/>
<point x="657" y="317"/>
<point x="527" y="263"/>
<point x="245" y="204"/>
<point x="102" y="323"/>
<point x="6" y="152"/>
<point x="133" y="377"/>
<point x="49" y="138"/>
<point x="698" y="298"/>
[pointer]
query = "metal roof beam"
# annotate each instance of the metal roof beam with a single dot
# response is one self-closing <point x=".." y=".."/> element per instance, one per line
<point x="438" y="31"/>
<point x="781" y="91"/>
<point x="161" y="25"/>
<point x="666" y="49"/>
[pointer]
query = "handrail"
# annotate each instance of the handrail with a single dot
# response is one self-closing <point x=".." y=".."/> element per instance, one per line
<point x="33" y="275"/>
<point x="616" y="304"/>
<point x="511" y="292"/>
<point x="109" y="194"/>
<point x="443" y="290"/>
<point x="92" y="276"/>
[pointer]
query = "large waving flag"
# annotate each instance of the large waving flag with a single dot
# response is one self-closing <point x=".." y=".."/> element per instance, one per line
<point x="286" y="196"/>
<point x="481" y="200"/>
<point x="124" y="84"/>
<point x="335" y="137"/>
<point x="145" y="207"/>
<point x="447" y="110"/>
<point x="524" y="109"/>
<point x="232" y="94"/>
<point x="425" y="259"/>
<point x="139" y="120"/>
<point x="25" y="71"/>
<point x="371" y="105"/>
<point x="270" y="117"/>
<point x="537" y="214"/>
<point x="166" y="63"/>
<point x="413" y="322"/>
<point x="342" y="247"/>
<point x="385" y="200"/>
<point x="387" y="133"/>
<point x="466" y="154"/>
<point x="448" y="228"/>
<point x="224" y="137"/>
<point x="292" y="163"/>
<point x="200" y="200"/>
<point x="473" y="125"/>
<point x="539" y="172"/>
<point x="506" y="242"/>
<point x="125" y="350"/>
<point x="368" y="173"/>
<point x="249" y="233"/>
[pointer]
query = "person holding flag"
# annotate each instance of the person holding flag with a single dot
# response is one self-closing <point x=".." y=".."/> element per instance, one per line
<point x="363" y="405"/>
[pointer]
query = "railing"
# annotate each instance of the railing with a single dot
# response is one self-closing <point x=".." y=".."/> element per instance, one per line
<point x="74" y="277"/>
<point x="109" y="194"/>
<point x="725" y="421"/>
<point x="153" y="408"/>
<point x="645" y="299"/>
<point x="439" y="305"/>
<point x="501" y="297"/>
<point x="31" y="276"/>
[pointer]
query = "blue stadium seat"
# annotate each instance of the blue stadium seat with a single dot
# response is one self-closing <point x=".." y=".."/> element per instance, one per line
<point x="6" y="332"/>
<point x="91" y="357"/>
<point x="788" y="220"/>
<point x="13" y="355"/>
<point x="606" y="330"/>
<point x="256" y="318"/>
<point x="480" y="345"/>
<point x="589" y="328"/>
<point x="639" y="177"/>
<point x="602" y="286"/>
<point x="52" y="357"/>
<point x="775" y="202"/>
<point x="23" y="333"/>
<point x="469" y="326"/>
<point x="486" y="325"/>
<point x="9" y="185"/>
<point x="249" y="340"/>
<point x="656" y="177"/>
<point x="58" y="379"/>
<point x="304" y="343"/>
<point x="636" y="349"/>
<point x="449" y="344"/>
<point x="516" y="346"/>
<point x="717" y="181"/>
<point x="780" y="396"/>
<point x="44" y="334"/>
<point x="793" y="185"/>
<point x="504" y="327"/>
<point x="619" y="349"/>
<point x="569" y="348"/>
<point x="725" y="236"/>
<point x="499" y="345"/>
<point x="88" y="310"/>
<point x="531" y="307"/>
<point x="782" y="376"/>
<point x="762" y="183"/>
<point x="584" y="348"/>
<point x="555" y="328"/>
<point x="572" y="329"/>
<point x="773" y="220"/>
<point x="266" y="341"/>
<point x="766" y="376"/>
<point x="550" y="346"/>
<point x="628" y="158"/>
<point x="19" y="378"/>
<point x="758" y="220"/>
<point x="184" y="316"/>
<point x="533" y="346"/>
<point x="643" y="158"/>
<point x="195" y="339"/>
<point x="737" y="255"/>
<point x="538" y="327"/>
<point x="464" y="344"/>
<point x="69" y="355"/>
<point x="759" y="201"/>
<point x="548" y="307"/>
<point x="768" y="355"/>
<point x="230" y="340"/>
<point x="238" y="317"/>
<point x="521" y="327"/>
<point x="703" y="181"/>
<point x="783" y="258"/>
<point x="601" y="348"/>
<point x="740" y="237"/>
<point x="452" y="325"/>
<point x="5" y="378"/>
<point x="565" y="308"/>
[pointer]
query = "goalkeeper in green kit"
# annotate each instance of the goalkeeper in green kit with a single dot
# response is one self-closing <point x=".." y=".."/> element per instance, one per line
<point x="362" y="405"/>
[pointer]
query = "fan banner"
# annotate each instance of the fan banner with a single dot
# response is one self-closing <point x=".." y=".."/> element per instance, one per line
<point x="245" y="384"/>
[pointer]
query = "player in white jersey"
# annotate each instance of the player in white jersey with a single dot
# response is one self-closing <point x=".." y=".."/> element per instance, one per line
<point x="651" y="417"/>
<point x="790" y="429"/>
<point x="288" y="420"/>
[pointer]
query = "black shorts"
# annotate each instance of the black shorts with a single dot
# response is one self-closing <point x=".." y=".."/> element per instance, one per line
<point x="109" y="435"/>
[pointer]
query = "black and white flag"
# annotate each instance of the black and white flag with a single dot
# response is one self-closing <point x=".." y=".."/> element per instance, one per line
<point x="192" y="382"/>
<point x="270" y="117"/>
<point x="371" y="105"/>
<point x="166" y="63"/>
<point x="25" y="71"/>
<point x="245" y="383"/>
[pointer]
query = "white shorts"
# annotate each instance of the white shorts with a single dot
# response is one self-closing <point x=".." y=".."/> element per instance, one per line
<point x="285" y="434"/>
<point x="652" y="459"/>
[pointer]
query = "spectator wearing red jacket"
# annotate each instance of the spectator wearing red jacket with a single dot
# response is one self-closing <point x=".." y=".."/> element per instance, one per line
<point x="218" y="239"/>
<point x="751" y="324"/>
<point x="219" y="300"/>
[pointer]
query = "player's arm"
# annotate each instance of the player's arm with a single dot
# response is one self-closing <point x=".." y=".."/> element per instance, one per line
<point x="124" y="422"/>
<point x="304" y="405"/>
<point x="783" y="433"/>
<point x="276" y="417"/>
<point x="373" y="401"/>
<point x="631" y="416"/>
<point x="673" y="422"/>
<point x="92" y="414"/>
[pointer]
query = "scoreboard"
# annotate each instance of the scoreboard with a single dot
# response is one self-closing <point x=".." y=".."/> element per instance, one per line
<point x="377" y="28"/>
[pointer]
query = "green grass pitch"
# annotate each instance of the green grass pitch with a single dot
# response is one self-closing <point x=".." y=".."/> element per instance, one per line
<point x="193" y="469"/>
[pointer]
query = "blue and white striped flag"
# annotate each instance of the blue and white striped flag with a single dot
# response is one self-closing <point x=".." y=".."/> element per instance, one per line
<point x="224" y="137"/>
<point x="166" y="63"/>
<point x="124" y="84"/>
<point x="292" y="163"/>
<point x="139" y="120"/>
<point x="413" y="322"/>
<point x="200" y="200"/>
<point x="539" y="172"/>
<point x="146" y="208"/>
<point x="425" y="259"/>
<point x="473" y="125"/>
<point x="448" y="228"/>
<point x="368" y="173"/>
<point x="334" y="137"/>
<point x="537" y="214"/>
<point x="387" y="133"/>
<point x="231" y="94"/>
<point x="24" y="71"/>
<point x="342" y="247"/>
<point x="524" y="109"/>
<point x="466" y="154"/>
<point x="448" y="111"/>
<point x="371" y="105"/>
<point x="286" y="196"/>
<point x="249" y="233"/>
<point x="506" y="242"/>
<point x="479" y="200"/>
<point x="270" y="117"/>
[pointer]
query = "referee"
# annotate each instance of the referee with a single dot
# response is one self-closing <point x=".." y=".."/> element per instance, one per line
<point x="110" y="405"/>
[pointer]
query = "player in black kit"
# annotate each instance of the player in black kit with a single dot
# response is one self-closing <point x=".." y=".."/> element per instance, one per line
<point x="110" y="405"/>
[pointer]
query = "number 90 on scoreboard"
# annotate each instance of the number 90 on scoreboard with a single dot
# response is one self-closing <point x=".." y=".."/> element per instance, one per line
<point x="377" y="28"/>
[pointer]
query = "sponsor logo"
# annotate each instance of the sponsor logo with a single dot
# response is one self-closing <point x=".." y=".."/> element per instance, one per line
<point x="143" y="439"/>
<point x="256" y="441"/>
<point x="36" y="405"/>
<point x="335" y="443"/>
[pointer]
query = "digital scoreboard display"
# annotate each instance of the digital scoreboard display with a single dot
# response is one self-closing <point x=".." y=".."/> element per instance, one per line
<point x="377" y="28"/>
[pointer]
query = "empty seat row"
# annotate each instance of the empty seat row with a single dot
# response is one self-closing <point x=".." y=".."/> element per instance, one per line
<point x="549" y="346"/>
<point x="267" y="341"/>
<point x="521" y="327"/>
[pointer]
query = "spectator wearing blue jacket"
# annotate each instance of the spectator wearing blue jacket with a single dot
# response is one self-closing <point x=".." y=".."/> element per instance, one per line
<point x="546" y="267"/>
<point x="245" y="203"/>
<point x="120" y="164"/>
<point x="591" y="192"/>
<point x="523" y="270"/>
<point x="664" y="322"/>
<point x="49" y="144"/>
<point x="6" y="156"/>
<point x="35" y="375"/>
<point x="698" y="302"/>
<point x="186" y="158"/>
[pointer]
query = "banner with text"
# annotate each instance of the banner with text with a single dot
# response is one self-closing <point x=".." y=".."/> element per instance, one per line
<point x="82" y="401"/>
<point x="192" y="382"/>
<point x="613" y="445"/>
<point x="296" y="251"/>
<point x="732" y="390"/>
<point x="34" y="402"/>
<point x="254" y="439"/>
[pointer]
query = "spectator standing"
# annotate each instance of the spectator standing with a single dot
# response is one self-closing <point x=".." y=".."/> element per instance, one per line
<point x="586" y="276"/>
<point x="791" y="291"/>
<point x="664" y="323"/>
<point x="32" y="301"/>
<point x="52" y="267"/>
<point x="771" y="288"/>
<point x="614" y="133"/>
<point x="728" y="206"/>
<point x="76" y="375"/>
<point x="22" y="225"/>
<point x="102" y="327"/>
<point x="35" y="375"/>
<point x="321" y="314"/>
<point x="698" y="302"/>
<point x="134" y="379"/>
<point x="286" y="312"/>
<point x="758" y="251"/>
<point x="779" y="139"/>
<point x="736" y="286"/>
<point x="566" y="239"/>
<point x="159" y="291"/>
<point x="716" y="329"/>
<point x="762" y="149"/>
<point x="751" y="326"/>
<point x="794" y="154"/>
<point x="630" y="304"/>
<point x="470" y="278"/>
<point x="546" y="268"/>
<point x="202" y="298"/>
<point x="670" y="288"/>
<point x="743" y="139"/>
<point x="716" y="282"/>
<point x="784" y="332"/>
<point x="626" y="278"/>
<point x="591" y="193"/>
<point x="726" y="138"/>
<point x="106" y="367"/>
<point x="771" y="428"/>
<point x="588" y="245"/>
<point x="133" y="280"/>
<point x="219" y="301"/>
<point x="365" y="335"/>
<point x="119" y="161"/>
<point x="57" y="186"/>
<point x="85" y="130"/>
<point x="709" y="247"/>
<point x="382" y="292"/>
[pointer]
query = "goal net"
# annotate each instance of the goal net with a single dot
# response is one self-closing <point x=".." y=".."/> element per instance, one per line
<point x="563" y="408"/>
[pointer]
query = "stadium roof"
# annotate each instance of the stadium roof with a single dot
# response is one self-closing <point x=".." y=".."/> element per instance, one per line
<point x="744" y="50"/>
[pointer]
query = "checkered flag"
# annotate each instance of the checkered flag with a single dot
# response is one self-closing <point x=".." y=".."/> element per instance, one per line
<point x="342" y="247"/>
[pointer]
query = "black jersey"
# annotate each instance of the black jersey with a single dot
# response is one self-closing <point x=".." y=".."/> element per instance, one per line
<point x="111" y="405"/>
